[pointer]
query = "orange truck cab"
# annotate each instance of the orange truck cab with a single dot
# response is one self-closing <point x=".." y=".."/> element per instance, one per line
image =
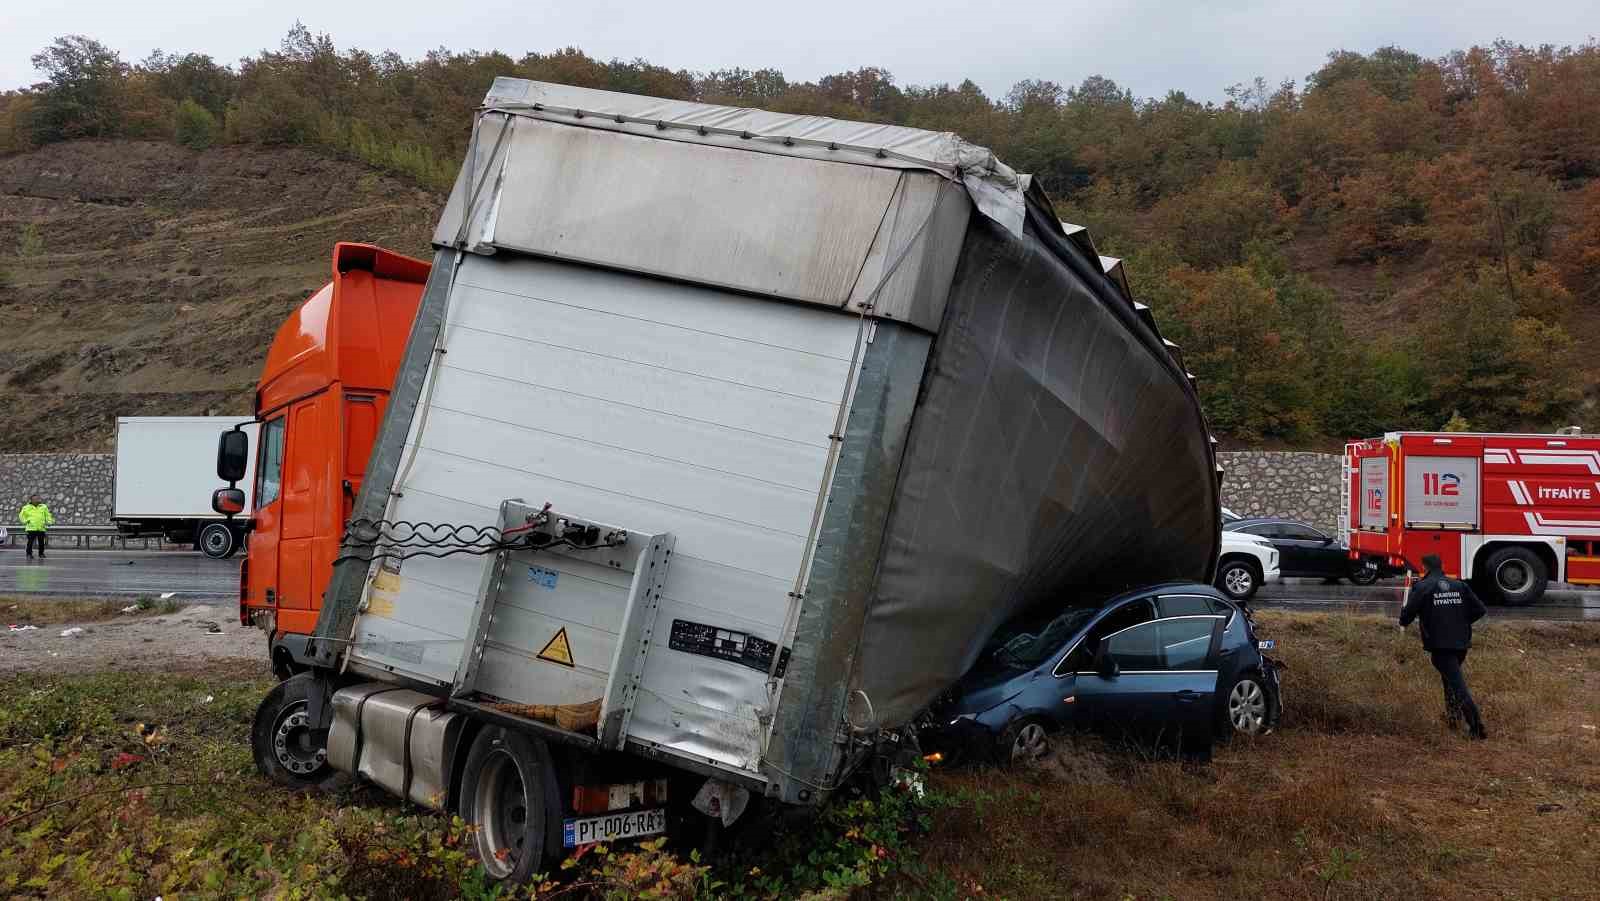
<point x="320" y="400"/>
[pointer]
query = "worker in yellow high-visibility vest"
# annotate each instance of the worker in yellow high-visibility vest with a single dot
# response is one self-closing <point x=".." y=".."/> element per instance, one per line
<point x="36" y="519"/>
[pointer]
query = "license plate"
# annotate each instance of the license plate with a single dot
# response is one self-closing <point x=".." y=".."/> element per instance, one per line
<point x="1266" y="644"/>
<point x="613" y="827"/>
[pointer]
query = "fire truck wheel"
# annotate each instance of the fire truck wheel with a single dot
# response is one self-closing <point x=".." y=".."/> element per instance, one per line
<point x="1516" y="576"/>
<point x="286" y="750"/>
<point x="510" y="795"/>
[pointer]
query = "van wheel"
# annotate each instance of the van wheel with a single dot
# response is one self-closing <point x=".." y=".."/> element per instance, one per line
<point x="216" y="541"/>
<point x="286" y="750"/>
<point x="510" y="797"/>
<point x="1516" y="575"/>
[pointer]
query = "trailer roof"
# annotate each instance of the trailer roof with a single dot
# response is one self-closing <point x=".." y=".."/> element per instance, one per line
<point x="995" y="187"/>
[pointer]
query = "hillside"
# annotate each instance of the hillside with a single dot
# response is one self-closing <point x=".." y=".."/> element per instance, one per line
<point x="152" y="277"/>
<point x="1394" y="243"/>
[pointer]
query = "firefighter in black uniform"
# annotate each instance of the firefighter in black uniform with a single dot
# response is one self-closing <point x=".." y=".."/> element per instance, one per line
<point x="1447" y="608"/>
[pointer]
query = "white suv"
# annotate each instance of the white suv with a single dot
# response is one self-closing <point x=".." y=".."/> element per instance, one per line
<point x="1247" y="563"/>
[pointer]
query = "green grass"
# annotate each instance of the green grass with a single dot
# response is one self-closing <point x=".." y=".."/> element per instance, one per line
<point x="120" y="785"/>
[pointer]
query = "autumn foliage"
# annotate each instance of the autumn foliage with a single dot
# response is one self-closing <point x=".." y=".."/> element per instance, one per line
<point x="1394" y="240"/>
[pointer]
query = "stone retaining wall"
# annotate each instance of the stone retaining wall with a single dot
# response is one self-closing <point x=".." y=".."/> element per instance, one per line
<point x="1299" y="485"/>
<point x="77" y="487"/>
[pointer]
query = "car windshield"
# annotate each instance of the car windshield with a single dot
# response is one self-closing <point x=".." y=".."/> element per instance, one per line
<point x="1026" y="642"/>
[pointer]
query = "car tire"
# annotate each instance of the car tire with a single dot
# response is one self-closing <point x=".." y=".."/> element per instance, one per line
<point x="1024" y="741"/>
<point x="510" y="796"/>
<point x="1516" y="576"/>
<point x="1238" y="579"/>
<point x="217" y="541"/>
<point x="1249" y="707"/>
<point x="1361" y="575"/>
<point x="285" y="749"/>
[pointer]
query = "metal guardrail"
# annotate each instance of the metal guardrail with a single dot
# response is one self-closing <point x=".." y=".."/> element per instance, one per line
<point x="83" y="536"/>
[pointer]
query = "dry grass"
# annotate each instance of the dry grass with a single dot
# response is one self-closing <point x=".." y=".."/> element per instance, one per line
<point x="1361" y="794"/>
<point x="50" y="611"/>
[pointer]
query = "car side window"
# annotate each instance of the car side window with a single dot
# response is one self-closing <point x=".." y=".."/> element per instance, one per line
<point x="1168" y="644"/>
<point x="1081" y="659"/>
<point x="1186" y="605"/>
<point x="1138" y="648"/>
<point x="1186" y="642"/>
<point x="1303" y="533"/>
<point x="1265" y="530"/>
<point x="270" y="463"/>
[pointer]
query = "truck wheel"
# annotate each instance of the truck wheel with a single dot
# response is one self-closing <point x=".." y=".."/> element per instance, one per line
<point x="216" y="541"/>
<point x="1238" y="580"/>
<point x="1517" y="576"/>
<point x="286" y="750"/>
<point x="510" y="796"/>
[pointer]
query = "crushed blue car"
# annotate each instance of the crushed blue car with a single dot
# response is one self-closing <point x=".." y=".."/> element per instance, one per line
<point x="1177" y="663"/>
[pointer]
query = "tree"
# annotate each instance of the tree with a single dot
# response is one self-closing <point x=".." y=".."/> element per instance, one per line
<point x="81" y="94"/>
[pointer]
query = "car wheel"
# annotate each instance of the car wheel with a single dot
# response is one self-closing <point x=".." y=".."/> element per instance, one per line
<point x="1361" y="574"/>
<point x="1024" y="741"/>
<point x="1248" y="707"/>
<point x="1238" y="580"/>
<point x="1517" y="576"/>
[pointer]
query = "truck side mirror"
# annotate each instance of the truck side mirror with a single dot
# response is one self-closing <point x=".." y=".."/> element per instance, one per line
<point x="233" y="456"/>
<point x="228" y="501"/>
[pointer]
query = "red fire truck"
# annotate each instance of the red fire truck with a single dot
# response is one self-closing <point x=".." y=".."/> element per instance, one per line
<point x="1511" y="513"/>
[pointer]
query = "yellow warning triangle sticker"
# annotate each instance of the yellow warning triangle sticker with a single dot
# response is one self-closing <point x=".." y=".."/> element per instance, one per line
<point x="557" y="650"/>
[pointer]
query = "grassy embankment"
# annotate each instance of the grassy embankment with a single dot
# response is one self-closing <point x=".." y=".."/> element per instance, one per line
<point x="134" y="785"/>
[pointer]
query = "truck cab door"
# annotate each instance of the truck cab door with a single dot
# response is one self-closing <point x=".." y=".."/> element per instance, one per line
<point x="362" y="414"/>
<point x="267" y="530"/>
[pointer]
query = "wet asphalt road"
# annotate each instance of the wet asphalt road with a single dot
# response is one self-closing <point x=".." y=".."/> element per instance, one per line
<point x="194" y="577"/>
<point x="190" y="576"/>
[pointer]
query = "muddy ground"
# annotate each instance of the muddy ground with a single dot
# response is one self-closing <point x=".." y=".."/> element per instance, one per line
<point x="135" y="642"/>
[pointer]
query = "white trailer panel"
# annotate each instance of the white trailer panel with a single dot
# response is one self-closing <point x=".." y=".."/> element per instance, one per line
<point x="167" y="466"/>
<point x="661" y="408"/>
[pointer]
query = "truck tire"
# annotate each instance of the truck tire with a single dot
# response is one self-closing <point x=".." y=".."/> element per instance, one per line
<point x="217" y="541"/>
<point x="1238" y="578"/>
<point x="285" y="750"/>
<point x="1516" y="576"/>
<point x="510" y="796"/>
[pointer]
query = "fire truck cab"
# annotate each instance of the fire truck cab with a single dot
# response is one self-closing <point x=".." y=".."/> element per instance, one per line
<point x="1510" y="513"/>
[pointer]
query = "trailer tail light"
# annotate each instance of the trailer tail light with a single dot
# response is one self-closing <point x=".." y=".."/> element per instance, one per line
<point x="606" y="798"/>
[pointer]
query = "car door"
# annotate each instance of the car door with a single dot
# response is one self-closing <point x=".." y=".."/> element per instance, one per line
<point x="1314" y="553"/>
<point x="1165" y="681"/>
<point x="1088" y="691"/>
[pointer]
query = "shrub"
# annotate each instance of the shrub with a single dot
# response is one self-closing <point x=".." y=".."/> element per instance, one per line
<point x="194" y="126"/>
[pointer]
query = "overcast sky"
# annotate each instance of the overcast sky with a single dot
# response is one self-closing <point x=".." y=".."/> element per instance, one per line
<point x="1149" y="46"/>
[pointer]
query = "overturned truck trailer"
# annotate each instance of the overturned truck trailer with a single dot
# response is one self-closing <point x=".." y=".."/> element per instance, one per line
<point x="725" y="439"/>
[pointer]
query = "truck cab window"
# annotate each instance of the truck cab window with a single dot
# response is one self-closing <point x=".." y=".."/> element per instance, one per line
<point x="270" y="465"/>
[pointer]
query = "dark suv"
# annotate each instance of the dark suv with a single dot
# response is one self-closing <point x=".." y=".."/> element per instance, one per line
<point x="1174" y="662"/>
<point x="1305" y="550"/>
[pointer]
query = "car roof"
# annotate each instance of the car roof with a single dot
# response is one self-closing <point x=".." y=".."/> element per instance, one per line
<point x="1266" y="520"/>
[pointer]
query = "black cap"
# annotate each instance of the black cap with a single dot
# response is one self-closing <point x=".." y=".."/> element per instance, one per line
<point x="1432" y="562"/>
